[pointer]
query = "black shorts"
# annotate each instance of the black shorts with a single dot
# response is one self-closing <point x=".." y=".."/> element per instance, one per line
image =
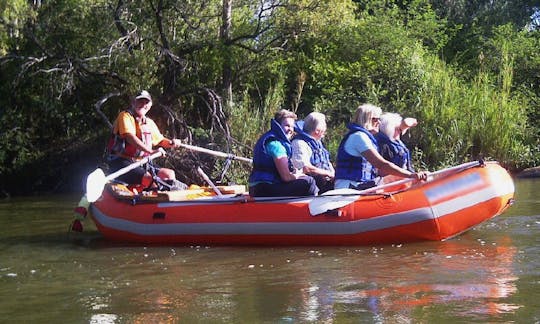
<point x="134" y="176"/>
<point x="303" y="186"/>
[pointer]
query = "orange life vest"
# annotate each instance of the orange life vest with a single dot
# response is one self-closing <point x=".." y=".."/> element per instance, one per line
<point x="118" y="145"/>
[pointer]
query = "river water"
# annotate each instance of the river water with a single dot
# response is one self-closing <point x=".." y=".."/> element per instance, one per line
<point x="489" y="274"/>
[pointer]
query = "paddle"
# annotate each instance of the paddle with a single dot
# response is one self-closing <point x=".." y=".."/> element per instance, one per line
<point x="207" y="179"/>
<point x="97" y="180"/>
<point x="338" y="198"/>
<point x="215" y="153"/>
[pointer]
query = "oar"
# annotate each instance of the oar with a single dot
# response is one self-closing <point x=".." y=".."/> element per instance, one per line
<point x="207" y="179"/>
<point x="338" y="198"/>
<point x="97" y="180"/>
<point x="215" y="153"/>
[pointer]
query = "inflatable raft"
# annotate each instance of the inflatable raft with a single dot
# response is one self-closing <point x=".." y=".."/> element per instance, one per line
<point x="449" y="203"/>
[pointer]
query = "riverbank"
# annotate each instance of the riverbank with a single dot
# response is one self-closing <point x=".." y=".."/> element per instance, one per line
<point x="533" y="172"/>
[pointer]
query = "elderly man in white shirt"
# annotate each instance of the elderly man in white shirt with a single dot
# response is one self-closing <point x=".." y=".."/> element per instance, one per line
<point x="310" y="155"/>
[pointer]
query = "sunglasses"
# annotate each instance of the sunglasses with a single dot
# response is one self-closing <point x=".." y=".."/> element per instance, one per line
<point x="376" y="119"/>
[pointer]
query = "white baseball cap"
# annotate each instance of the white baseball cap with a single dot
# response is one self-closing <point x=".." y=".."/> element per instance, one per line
<point x="144" y="95"/>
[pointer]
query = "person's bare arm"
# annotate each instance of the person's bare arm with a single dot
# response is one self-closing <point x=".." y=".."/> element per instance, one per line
<point x="389" y="168"/>
<point x="310" y="169"/>
<point x="170" y="143"/>
<point x="282" y="165"/>
<point x="135" y="141"/>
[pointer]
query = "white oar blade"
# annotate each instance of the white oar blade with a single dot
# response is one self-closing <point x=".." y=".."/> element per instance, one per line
<point x="94" y="185"/>
<point x="342" y="191"/>
<point x="332" y="200"/>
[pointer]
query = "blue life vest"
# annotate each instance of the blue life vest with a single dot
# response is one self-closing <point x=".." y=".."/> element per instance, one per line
<point x="320" y="157"/>
<point x="354" y="168"/>
<point x="394" y="151"/>
<point x="264" y="168"/>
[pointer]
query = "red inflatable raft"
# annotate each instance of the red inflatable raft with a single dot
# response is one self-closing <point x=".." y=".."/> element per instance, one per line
<point x="451" y="202"/>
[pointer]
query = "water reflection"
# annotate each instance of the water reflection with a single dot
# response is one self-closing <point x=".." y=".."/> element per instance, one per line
<point x="468" y="279"/>
<point x="399" y="289"/>
<point x="406" y="287"/>
<point x="486" y="279"/>
<point x="489" y="274"/>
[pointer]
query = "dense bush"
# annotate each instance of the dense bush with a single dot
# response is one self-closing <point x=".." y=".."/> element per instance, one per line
<point x="472" y="83"/>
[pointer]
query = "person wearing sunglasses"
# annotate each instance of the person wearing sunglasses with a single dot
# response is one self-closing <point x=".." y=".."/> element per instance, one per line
<point x="359" y="164"/>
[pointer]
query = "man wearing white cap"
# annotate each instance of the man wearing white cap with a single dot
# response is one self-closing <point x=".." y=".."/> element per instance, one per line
<point x="135" y="136"/>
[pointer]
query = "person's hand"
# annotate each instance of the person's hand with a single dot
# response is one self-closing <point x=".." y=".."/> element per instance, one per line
<point x="175" y="143"/>
<point x="330" y="175"/>
<point x="406" y="124"/>
<point x="160" y="149"/>
<point x="409" y="122"/>
<point x="421" y="175"/>
<point x="298" y="173"/>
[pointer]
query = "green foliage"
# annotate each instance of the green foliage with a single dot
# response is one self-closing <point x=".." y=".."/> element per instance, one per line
<point x="467" y="71"/>
<point x="470" y="120"/>
<point x="521" y="47"/>
<point x="13" y="14"/>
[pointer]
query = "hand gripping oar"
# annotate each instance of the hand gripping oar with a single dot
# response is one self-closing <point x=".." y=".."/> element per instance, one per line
<point x="97" y="180"/>
<point x="338" y="198"/>
<point x="215" y="153"/>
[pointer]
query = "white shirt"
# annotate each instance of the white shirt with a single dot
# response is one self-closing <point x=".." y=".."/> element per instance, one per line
<point x="301" y="154"/>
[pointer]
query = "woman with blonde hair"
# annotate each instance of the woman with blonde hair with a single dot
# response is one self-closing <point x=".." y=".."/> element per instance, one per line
<point x="359" y="164"/>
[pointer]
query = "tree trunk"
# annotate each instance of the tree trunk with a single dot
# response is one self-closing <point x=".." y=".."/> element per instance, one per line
<point x="225" y="39"/>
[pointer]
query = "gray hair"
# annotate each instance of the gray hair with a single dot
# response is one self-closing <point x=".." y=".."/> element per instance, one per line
<point x="312" y="121"/>
<point x="389" y="123"/>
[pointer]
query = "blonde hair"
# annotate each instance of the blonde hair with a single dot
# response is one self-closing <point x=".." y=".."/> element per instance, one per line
<point x="389" y="123"/>
<point x="312" y="121"/>
<point x="364" y="114"/>
<point x="284" y="113"/>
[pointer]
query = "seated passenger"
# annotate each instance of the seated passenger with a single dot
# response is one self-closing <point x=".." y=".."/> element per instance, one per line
<point x="273" y="174"/>
<point x="359" y="164"/>
<point x="391" y="147"/>
<point x="309" y="153"/>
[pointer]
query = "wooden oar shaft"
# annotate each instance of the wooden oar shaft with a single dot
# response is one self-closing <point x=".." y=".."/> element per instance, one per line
<point x="432" y="174"/>
<point x="96" y="181"/>
<point x="215" y="153"/>
<point x="457" y="167"/>
<point x="338" y="198"/>
<point x="207" y="179"/>
<point x="134" y="165"/>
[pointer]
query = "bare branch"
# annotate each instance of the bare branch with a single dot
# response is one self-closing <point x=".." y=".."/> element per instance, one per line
<point x="126" y="36"/>
<point x="100" y="103"/>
